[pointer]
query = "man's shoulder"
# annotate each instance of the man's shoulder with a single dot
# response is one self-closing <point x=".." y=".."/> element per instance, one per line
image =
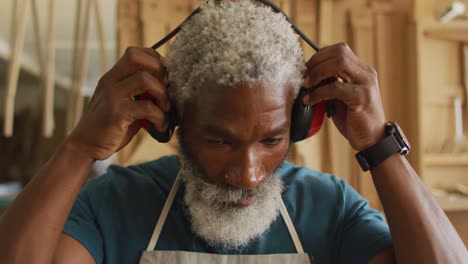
<point x="302" y="177"/>
<point x="162" y="170"/>
<point x="119" y="182"/>
<point x="128" y="199"/>
<point x="308" y="192"/>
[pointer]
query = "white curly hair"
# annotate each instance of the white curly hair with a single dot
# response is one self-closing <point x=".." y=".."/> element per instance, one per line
<point x="233" y="42"/>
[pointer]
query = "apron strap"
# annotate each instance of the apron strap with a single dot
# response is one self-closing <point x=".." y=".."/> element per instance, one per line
<point x="291" y="229"/>
<point x="164" y="213"/>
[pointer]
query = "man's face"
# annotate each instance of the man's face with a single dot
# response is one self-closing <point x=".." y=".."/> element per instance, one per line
<point x="232" y="143"/>
<point x="238" y="135"/>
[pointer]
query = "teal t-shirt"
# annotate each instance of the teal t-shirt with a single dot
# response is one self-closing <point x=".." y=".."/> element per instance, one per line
<point x="115" y="214"/>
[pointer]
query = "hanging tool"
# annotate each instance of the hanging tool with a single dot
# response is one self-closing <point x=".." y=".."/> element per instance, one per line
<point x="74" y="67"/>
<point x="82" y="68"/>
<point x="37" y="37"/>
<point x="19" y="18"/>
<point x="80" y="58"/>
<point x="49" y="83"/>
<point x="100" y="33"/>
<point x="79" y="63"/>
<point x="465" y="75"/>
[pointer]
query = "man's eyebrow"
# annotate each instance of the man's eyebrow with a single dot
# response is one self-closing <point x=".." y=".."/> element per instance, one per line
<point x="281" y="129"/>
<point x="218" y="131"/>
<point x="226" y="133"/>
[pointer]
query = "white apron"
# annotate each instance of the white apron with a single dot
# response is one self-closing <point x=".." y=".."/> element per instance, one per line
<point x="184" y="257"/>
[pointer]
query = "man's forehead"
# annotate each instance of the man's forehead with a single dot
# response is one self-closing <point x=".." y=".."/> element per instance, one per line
<point x="258" y="97"/>
<point x="242" y="110"/>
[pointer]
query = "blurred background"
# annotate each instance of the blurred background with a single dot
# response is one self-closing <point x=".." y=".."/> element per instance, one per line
<point x="52" y="54"/>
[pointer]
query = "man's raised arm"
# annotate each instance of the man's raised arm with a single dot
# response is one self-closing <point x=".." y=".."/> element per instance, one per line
<point x="421" y="231"/>
<point x="31" y="228"/>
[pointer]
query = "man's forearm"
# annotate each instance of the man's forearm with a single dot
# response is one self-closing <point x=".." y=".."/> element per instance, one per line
<point x="420" y="229"/>
<point x="31" y="226"/>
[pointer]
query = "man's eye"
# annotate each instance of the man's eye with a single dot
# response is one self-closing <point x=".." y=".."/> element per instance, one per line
<point x="217" y="142"/>
<point x="272" y="141"/>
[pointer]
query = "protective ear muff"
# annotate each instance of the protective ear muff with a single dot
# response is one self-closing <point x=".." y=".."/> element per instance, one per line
<point x="306" y="120"/>
<point x="171" y="119"/>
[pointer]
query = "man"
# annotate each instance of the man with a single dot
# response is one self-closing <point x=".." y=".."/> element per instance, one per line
<point x="234" y="72"/>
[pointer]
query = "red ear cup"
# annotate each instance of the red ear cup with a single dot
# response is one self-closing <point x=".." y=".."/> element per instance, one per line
<point x="143" y="122"/>
<point x="171" y="116"/>
<point x="317" y="119"/>
<point x="306" y="120"/>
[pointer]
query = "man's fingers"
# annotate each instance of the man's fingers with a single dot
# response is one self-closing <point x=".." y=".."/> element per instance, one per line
<point x="138" y="59"/>
<point x="136" y="110"/>
<point x="143" y="82"/>
<point x="327" y="53"/>
<point x="345" y="62"/>
<point x="343" y="67"/>
<point x="353" y="96"/>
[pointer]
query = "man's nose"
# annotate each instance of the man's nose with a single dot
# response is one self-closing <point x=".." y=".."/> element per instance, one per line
<point x="246" y="171"/>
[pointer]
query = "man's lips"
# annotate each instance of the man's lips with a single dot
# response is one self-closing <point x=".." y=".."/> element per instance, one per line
<point x="244" y="203"/>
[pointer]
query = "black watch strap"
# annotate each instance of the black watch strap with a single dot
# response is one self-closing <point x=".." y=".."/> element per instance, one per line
<point x="377" y="153"/>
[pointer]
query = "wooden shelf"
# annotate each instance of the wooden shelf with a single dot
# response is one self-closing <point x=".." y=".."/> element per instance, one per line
<point x="452" y="31"/>
<point x="451" y="204"/>
<point x="451" y="159"/>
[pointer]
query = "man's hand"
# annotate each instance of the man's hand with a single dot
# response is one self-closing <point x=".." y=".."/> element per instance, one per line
<point x="110" y="121"/>
<point x="359" y="114"/>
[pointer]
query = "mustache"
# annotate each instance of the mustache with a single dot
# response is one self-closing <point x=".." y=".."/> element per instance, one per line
<point x="222" y="195"/>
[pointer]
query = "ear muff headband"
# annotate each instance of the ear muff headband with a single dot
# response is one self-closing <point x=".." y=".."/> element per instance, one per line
<point x="265" y="2"/>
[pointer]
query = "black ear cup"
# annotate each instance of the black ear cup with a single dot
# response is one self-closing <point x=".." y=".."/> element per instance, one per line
<point x="301" y="117"/>
<point x="165" y="136"/>
<point x="171" y="119"/>
<point x="306" y="120"/>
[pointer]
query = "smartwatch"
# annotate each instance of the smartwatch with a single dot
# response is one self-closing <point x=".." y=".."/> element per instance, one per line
<point x="394" y="142"/>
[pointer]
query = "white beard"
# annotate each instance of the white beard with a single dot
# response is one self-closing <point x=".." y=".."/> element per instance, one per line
<point x="220" y="224"/>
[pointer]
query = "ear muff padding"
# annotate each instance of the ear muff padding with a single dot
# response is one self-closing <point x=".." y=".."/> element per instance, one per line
<point x="306" y="120"/>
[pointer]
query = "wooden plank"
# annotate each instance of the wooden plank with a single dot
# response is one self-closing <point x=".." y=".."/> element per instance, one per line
<point x="391" y="66"/>
<point x="286" y="6"/>
<point x="129" y="25"/>
<point x="465" y="77"/>
<point x="129" y="33"/>
<point x="332" y="20"/>
<point x="37" y="37"/>
<point x="307" y="20"/>
<point x="326" y="23"/>
<point x="102" y="41"/>
<point x="18" y="33"/>
<point x="363" y="30"/>
<point x="154" y="22"/>
<point x="74" y="67"/>
<point x="82" y="65"/>
<point x="310" y="153"/>
<point x="423" y="9"/>
<point x="49" y="81"/>
<point x="179" y="12"/>
<point x="453" y="34"/>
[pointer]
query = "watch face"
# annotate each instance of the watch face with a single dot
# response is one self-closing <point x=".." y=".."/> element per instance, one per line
<point x="400" y="135"/>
